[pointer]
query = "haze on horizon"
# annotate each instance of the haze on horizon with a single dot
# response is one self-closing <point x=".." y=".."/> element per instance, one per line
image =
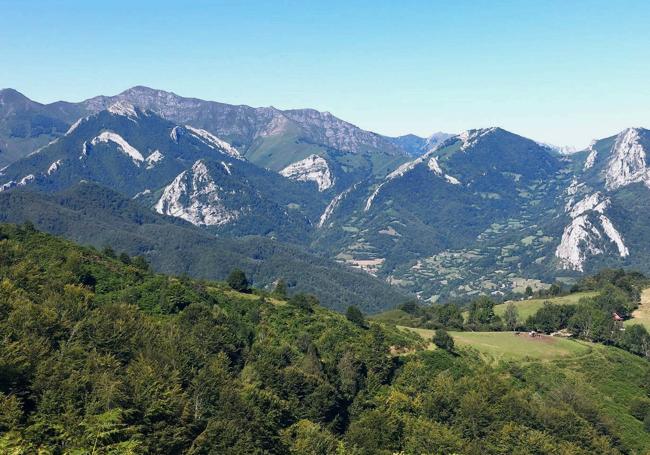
<point x="558" y="72"/>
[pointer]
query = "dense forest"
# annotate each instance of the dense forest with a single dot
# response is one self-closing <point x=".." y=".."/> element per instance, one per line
<point x="99" y="355"/>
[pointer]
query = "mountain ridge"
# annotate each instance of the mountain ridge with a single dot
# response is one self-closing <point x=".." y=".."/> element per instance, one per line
<point x="479" y="211"/>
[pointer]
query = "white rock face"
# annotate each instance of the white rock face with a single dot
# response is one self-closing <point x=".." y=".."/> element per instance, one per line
<point x="54" y="167"/>
<point x="614" y="236"/>
<point x="75" y="125"/>
<point x="432" y="164"/>
<point x="195" y="197"/>
<point x="312" y="169"/>
<point x="333" y="204"/>
<point x="108" y="136"/>
<point x="582" y="237"/>
<point x="142" y="193"/>
<point x="436" y="169"/>
<point x="470" y="137"/>
<point x="211" y="140"/>
<point x="591" y="159"/>
<point x="26" y="180"/>
<point x="595" y="202"/>
<point x="174" y="134"/>
<point x="578" y="241"/>
<point x="628" y="161"/>
<point x="123" y="108"/>
<point x="452" y="180"/>
<point x="154" y="158"/>
<point x="372" y="197"/>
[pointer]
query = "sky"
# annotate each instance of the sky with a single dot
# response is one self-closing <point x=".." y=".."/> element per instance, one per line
<point x="562" y="72"/>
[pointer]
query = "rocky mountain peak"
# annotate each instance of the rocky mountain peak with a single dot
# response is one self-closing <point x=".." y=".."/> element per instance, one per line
<point x="628" y="159"/>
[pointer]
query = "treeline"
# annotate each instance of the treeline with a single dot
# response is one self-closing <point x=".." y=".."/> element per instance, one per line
<point x="98" y="355"/>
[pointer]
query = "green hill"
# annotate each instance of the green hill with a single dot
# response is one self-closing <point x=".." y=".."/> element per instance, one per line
<point x="100" y="355"/>
<point x="570" y="369"/>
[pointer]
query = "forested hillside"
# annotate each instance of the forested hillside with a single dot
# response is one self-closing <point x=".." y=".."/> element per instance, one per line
<point x="100" y="355"/>
<point x="93" y="215"/>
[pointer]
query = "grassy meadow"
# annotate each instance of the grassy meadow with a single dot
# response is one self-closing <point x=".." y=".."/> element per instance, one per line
<point x="527" y="308"/>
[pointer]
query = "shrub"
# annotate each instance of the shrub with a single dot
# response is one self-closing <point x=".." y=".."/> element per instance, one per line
<point x="443" y="340"/>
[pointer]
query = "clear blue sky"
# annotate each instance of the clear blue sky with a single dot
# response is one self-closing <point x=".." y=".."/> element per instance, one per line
<point x="562" y="71"/>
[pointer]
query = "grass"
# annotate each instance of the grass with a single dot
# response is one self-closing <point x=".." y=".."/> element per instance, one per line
<point x="609" y="376"/>
<point x="527" y="308"/>
<point x="642" y="314"/>
<point x="396" y="316"/>
<point x="506" y="346"/>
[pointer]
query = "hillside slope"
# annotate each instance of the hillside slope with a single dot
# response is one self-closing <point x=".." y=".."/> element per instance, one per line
<point x="99" y="355"/>
<point x="93" y="215"/>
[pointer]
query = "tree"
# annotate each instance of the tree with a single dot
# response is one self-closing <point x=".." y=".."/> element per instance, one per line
<point x="511" y="316"/>
<point x="555" y="289"/>
<point x="280" y="290"/>
<point x="637" y="340"/>
<point x="355" y="316"/>
<point x="237" y="280"/>
<point x="410" y="306"/>
<point x="443" y="340"/>
<point x="303" y="301"/>
<point x="481" y="311"/>
<point x="529" y="291"/>
<point x="590" y="323"/>
<point x="141" y="263"/>
<point x="551" y="317"/>
<point x="125" y="259"/>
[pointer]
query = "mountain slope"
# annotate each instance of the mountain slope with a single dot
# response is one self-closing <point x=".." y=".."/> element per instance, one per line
<point x="93" y="215"/>
<point x="606" y="205"/>
<point x="145" y="156"/>
<point x="25" y="126"/>
<point x="452" y="221"/>
<point x="267" y="136"/>
<point x="99" y="354"/>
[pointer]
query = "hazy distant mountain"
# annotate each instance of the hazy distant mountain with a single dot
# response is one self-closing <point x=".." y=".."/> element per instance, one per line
<point x="25" y="126"/>
<point x="416" y="145"/>
<point x="266" y="136"/>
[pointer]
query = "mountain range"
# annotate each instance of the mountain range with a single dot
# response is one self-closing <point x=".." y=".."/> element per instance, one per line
<point x="442" y="217"/>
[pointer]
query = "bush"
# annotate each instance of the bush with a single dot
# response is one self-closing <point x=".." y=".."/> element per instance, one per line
<point x="237" y="280"/>
<point x="443" y="340"/>
<point x="303" y="301"/>
<point x="355" y="316"/>
<point x="640" y="408"/>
